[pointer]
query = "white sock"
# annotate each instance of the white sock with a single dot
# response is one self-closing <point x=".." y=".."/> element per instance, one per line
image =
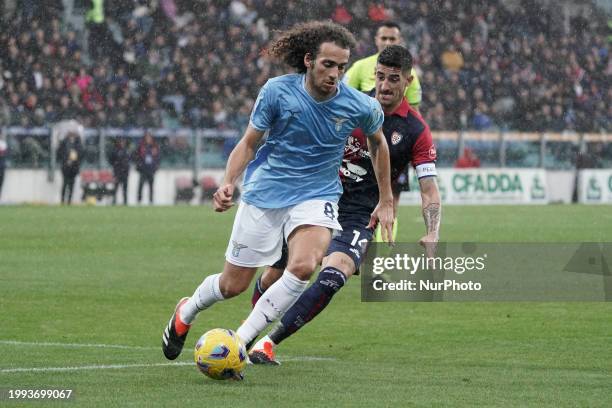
<point x="204" y="296"/>
<point x="271" y="305"/>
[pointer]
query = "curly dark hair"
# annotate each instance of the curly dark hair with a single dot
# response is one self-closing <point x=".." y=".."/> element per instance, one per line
<point x="306" y="38"/>
<point x="396" y="56"/>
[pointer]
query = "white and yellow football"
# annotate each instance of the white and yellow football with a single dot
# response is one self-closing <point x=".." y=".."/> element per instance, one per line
<point x="220" y="355"/>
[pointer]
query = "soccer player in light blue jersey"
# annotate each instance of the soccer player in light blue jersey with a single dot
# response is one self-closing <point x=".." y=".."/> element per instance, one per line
<point x="291" y="185"/>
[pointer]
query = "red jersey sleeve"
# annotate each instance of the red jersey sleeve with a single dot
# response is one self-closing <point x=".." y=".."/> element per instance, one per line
<point x="424" y="154"/>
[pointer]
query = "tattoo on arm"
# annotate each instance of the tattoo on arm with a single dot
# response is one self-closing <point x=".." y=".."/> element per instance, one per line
<point x="431" y="215"/>
<point x="431" y="208"/>
<point x="372" y="149"/>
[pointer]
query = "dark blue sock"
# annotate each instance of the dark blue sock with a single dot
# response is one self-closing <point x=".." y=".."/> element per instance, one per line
<point x="257" y="292"/>
<point x="310" y="303"/>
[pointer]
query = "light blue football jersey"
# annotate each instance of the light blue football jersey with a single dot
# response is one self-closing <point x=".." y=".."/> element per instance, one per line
<point x="303" y="150"/>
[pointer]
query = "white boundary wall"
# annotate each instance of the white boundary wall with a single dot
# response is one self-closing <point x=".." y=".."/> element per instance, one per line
<point x="458" y="186"/>
<point x="32" y="186"/>
<point x="499" y="186"/>
<point x="595" y="186"/>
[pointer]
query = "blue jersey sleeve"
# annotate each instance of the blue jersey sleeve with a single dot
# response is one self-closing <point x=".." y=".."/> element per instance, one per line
<point x="265" y="109"/>
<point x="373" y="118"/>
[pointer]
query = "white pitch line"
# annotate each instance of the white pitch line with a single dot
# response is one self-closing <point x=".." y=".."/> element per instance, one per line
<point x="89" y="367"/>
<point x="74" y="345"/>
<point x="122" y="366"/>
<point x="305" y="358"/>
<point x="114" y="366"/>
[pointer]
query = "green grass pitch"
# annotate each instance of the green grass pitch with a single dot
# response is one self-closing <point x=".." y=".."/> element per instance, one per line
<point x="81" y="276"/>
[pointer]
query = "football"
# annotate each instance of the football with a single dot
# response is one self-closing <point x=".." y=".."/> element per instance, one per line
<point x="220" y="355"/>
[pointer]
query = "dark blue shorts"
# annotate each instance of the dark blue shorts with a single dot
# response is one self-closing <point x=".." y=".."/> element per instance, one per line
<point x="354" y="238"/>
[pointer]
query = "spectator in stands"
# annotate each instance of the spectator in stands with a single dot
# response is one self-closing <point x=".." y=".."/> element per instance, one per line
<point x="558" y="123"/>
<point x="119" y="159"/>
<point x="99" y="36"/>
<point x="452" y="60"/>
<point x="589" y="158"/>
<point x="341" y="15"/>
<point x="3" y="155"/>
<point x="481" y="120"/>
<point x="69" y="154"/>
<point x="377" y="12"/>
<point x="467" y="160"/>
<point x="147" y="157"/>
<point x="521" y="57"/>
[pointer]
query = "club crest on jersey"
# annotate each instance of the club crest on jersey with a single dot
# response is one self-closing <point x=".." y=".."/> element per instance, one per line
<point x="396" y="137"/>
<point x="339" y="121"/>
<point x="236" y="248"/>
<point x="432" y="152"/>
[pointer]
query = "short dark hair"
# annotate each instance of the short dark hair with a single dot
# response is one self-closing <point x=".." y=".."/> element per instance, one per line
<point x="388" y="24"/>
<point x="306" y="38"/>
<point x="396" y="56"/>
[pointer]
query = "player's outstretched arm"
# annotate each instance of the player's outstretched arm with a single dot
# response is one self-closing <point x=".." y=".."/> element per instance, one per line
<point x="239" y="158"/>
<point x="432" y="212"/>
<point x="383" y="213"/>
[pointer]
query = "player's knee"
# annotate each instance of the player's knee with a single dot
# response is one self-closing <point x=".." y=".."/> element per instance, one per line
<point x="342" y="262"/>
<point x="347" y="267"/>
<point x="230" y="288"/>
<point x="303" y="267"/>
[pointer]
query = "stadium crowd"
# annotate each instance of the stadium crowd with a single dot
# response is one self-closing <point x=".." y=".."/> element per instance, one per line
<point x="483" y="64"/>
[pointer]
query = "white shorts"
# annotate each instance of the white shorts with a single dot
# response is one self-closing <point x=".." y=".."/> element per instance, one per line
<point x="257" y="235"/>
